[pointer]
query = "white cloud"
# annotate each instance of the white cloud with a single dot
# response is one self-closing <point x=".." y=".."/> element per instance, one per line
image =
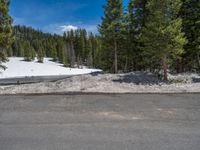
<point x="65" y="28"/>
<point x="60" y="28"/>
<point x="89" y="28"/>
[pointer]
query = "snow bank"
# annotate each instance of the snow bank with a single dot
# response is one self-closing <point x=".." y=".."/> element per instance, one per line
<point x="137" y="82"/>
<point x="16" y="67"/>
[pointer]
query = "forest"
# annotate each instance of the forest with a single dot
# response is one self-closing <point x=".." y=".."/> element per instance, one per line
<point x="74" y="48"/>
<point x="149" y="35"/>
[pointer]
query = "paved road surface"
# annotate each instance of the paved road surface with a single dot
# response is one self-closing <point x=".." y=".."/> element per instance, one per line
<point x="100" y="122"/>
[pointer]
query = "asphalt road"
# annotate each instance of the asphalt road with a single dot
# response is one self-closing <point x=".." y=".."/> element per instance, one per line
<point x="100" y="122"/>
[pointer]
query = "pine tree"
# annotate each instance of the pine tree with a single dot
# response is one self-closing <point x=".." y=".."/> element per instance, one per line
<point x="65" y="56"/>
<point x="61" y="53"/>
<point x="20" y="50"/>
<point x="110" y="30"/>
<point x="72" y="55"/>
<point x="28" y="51"/>
<point x="93" y="48"/>
<point x="85" y="46"/>
<point x="40" y="55"/>
<point x="80" y="45"/>
<point x="54" y="53"/>
<point x="136" y="18"/>
<point x="6" y="38"/>
<point x="33" y="53"/>
<point x="162" y="34"/>
<point x="89" y="53"/>
<point x="98" y="53"/>
<point x="190" y="13"/>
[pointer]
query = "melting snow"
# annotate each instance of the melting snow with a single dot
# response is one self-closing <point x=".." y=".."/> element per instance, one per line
<point x="16" y="67"/>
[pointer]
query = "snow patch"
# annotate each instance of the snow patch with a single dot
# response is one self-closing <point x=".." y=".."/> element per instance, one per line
<point x="16" y="67"/>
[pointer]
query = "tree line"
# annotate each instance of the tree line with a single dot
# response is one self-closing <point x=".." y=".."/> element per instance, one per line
<point x="74" y="48"/>
<point x="151" y="35"/>
<point x="148" y="35"/>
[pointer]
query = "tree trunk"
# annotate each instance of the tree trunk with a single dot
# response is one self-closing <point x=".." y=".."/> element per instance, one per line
<point x="72" y="54"/>
<point x="126" y="65"/>
<point x="164" y="64"/>
<point x="179" y="66"/>
<point x="78" y="61"/>
<point x="115" y="59"/>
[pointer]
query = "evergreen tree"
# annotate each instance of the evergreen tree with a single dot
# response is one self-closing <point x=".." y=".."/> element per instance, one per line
<point x="89" y="61"/>
<point x="97" y="53"/>
<point x="72" y="55"/>
<point x="162" y="34"/>
<point x="6" y="38"/>
<point x="40" y="55"/>
<point x="190" y="13"/>
<point x="20" y="50"/>
<point x="85" y="46"/>
<point x="61" y="53"/>
<point x="82" y="47"/>
<point x="33" y="54"/>
<point x="74" y="47"/>
<point x="136" y="18"/>
<point x="28" y="51"/>
<point x="110" y="30"/>
<point x="93" y="48"/>
<point x="54" y="53"/>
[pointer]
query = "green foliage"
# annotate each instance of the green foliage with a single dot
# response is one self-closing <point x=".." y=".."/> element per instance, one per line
<point x="6" y="38"/>
<point x="149" y="36"/>
<point x="136" y="16"/>
<point x="40" y="55"/>
<point x="190" y="13"/>
<point x="74" y="47"/>
<point x="61" y="52"/>
<point x="29" y="52"/>
<point x="111" y="31"/>
<point x="162" y="36"/>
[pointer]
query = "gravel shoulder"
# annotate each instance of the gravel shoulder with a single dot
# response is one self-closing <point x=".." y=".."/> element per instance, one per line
<point x="136" y="82"/>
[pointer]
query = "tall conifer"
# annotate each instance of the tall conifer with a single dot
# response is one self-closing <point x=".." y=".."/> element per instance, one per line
<point x="162" y="35"/>
<point x="190" y="13"/>
<point x="110" y="30"/>
<point x="6" y="38"/>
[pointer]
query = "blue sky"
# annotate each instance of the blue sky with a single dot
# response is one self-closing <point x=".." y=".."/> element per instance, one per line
<point x="56" y="16"/>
